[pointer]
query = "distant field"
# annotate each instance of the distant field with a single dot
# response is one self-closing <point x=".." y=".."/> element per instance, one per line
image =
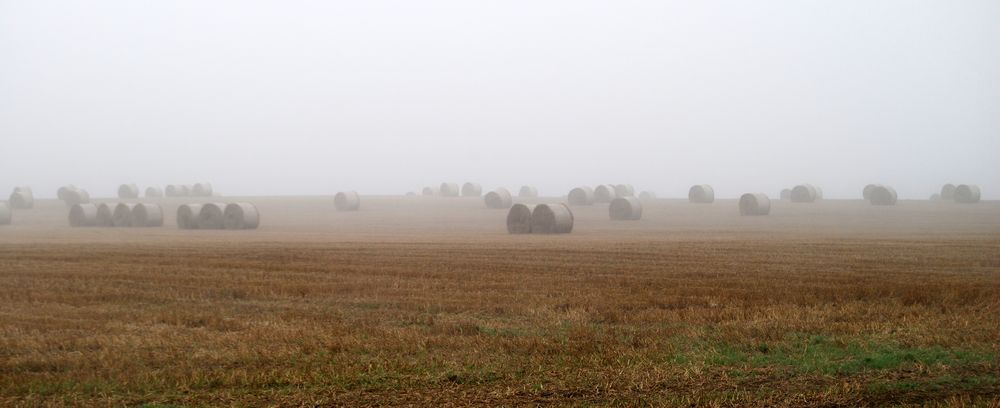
<point x="427" y="301"/>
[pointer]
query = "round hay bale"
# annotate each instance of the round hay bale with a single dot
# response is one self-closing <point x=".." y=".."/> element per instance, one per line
<point x="187" y="216"/>
<point x="935" y="197"/>
<point x="202" y="190"/>
<point x="948" y="192"/>
<point x="755" y="204"/>
<point x="127" y="191"/>
<point x="5" y="214"/>
<point x="519" y="219"/>
<point x="212" y="216"/>
<point x="449" y="190"/>
<point x="624" y="190"/>
<point x="105" y="216"/>
<point x="64" y="190"/>
<point x="701" y="194"/>
<point x="347" y="201"/>
<point x="21" y="200"/>
<point x="866" y="193"/>
<point x="647" y="195"/>
<point x="527" y="192"/>
<point x="178" y="190"/>
<point x="147" y="215"/>
<point x="83" y="215"/>
<point x="429" y="191"/>
<point x="604" y="193"/>
<point x="805" y="193"/>
<point x="786" y="194"/>
<point x="241" y="216"/>
<point x="472" y="190"/>
<point x="882" y="195"/>
<point x="581" y="196"/>
<point x="76" y="196"/>
<point x="122" y="216"/>
<point x="551" y="219"/>
<point x="499" y="199"/>
<point x="153" y="192"/>
<point x="25" y="189"/>
<point x="625" y="209"/>
<point x="967" y="194"/>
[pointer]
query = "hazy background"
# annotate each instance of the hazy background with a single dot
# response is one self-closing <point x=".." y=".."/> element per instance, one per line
<point x="311" y="97"/>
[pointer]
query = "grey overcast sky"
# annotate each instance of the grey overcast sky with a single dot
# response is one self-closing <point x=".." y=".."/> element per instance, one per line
<point x="312" y="97"/>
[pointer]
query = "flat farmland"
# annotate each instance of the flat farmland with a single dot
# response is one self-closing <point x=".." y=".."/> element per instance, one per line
<point x="428" y="301"/>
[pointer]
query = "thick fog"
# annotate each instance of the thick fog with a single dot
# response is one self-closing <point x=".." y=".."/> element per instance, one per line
<point x="311" y="97"/>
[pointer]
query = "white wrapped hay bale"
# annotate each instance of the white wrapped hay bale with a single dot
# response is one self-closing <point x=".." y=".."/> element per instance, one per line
<point x="755" y="204"/>
<point x="83" y="215"/>
<point x="240" y="216"/>
<point x="347" y="201"/>
<point x="701" y="194"/>
<point x="581" y="196"/>
<point x="805" y="193"/>
<point x="472" y="190"/>
<point x="5" y="214"/>
<point x="122" y="215"/>
<point x="449" y="190"/>
<point x="967" y="194"/>
<point x="551" y="219"/>
<point x="499" y="199"/>
<point x="527" y="192"/>
<point x="625" y="209"/>
<point x="105" y="215"/>
<point x="187" y="216"/>
<point x="519" y="219"/>
<point x="881" y="195"/>
<point x="624" y="190"/>
<point x="128" y="191"/>
<point x="146" y="215"/>
<point x="212" y="216"/>
<point x="604" y="193"/>
<point x="154" y="192"/>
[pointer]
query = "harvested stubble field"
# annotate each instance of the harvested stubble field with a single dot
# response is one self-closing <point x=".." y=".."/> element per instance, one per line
<point x="427" y="301"/>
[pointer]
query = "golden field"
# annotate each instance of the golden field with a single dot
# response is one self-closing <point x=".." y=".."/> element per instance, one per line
<point x="428" y="301"/>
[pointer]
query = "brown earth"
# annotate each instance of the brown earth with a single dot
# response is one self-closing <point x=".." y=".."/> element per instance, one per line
<point x="428" y="301"/>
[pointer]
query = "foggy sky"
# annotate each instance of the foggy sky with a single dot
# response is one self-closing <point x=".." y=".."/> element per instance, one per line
<point x="312" y="97"/>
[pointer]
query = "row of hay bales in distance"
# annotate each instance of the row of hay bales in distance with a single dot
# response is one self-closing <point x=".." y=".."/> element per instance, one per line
<point x="469" y="189"/>
<point x="962" y="193"/>
<point x="233" y="216"/>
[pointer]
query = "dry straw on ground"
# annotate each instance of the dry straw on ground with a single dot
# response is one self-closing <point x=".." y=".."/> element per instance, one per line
<point x="499" y="199"/>
<point x="551" y="219"/>
<point x="347" y="201"/>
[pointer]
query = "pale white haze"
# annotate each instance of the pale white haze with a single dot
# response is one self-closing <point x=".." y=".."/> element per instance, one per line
<point x="385" y="97"/>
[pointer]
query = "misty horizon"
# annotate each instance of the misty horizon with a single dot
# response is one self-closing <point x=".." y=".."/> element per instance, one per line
<point x="387" y="97"/>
